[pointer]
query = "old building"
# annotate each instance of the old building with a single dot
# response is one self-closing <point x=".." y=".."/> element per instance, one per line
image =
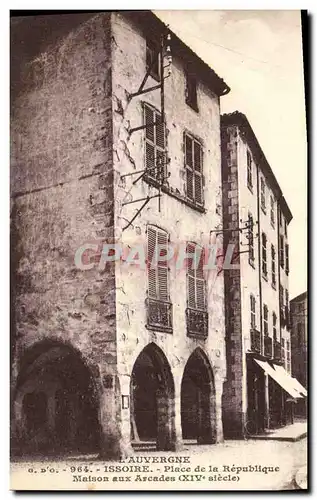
<point x="104" y="351"/>
<point x="256" y="217"/>
<point x="299" y="341"/>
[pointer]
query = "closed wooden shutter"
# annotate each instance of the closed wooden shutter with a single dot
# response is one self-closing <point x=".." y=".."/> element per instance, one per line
<point x="158" y="286"/>
<point x="152" y="274"/>
<point x="155" y="155"/>
<point x="196" y="286"/>
<point x="194" y="174"/>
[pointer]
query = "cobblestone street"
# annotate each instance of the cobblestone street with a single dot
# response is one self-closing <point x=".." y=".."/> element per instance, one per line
<point x="274" y="464"/>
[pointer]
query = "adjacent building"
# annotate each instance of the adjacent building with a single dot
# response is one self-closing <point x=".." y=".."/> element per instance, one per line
<point x="259" y="388"/>
<point x="105" y="353"/>
<point x="299" y="341"/>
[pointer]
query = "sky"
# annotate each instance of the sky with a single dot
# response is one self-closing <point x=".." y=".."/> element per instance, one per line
<point x="259" y="55"/>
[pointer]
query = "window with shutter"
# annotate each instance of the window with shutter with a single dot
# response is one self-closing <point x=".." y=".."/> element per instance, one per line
<point x="263" y="201"/>
<point x="273" y="266"/>
<point x="282" y="250"/>
<point x="191" y="90"/>
<point x="252" y="310"/>
<point x="153" y="59"/>
<point x="194" y="170"/>
<point x="197" y="316"/>
<point x="287" y="259"/>
<point x="265" y="320"/>
<point x="264" y="255"/>
<point x="155" y="155"/>
<point x="272" y="212"/>
<point x="249" y="171"/>
<point x="159" y="308"/>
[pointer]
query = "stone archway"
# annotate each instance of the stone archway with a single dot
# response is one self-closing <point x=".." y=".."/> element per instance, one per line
<point x="198" y="409"/>
<point x="55" y="403"/>
<point x="153" y="399"/>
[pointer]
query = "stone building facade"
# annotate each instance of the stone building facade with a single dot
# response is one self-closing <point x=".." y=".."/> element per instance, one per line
<point x="299" y="337"/>
<point x="104" y="355"/>
<point x="256" y="217"/>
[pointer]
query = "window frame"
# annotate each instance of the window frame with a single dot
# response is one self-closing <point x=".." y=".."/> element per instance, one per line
<point x="274" y="323"/>
<point x="287" y="258"/>
<point x="263" y="194"/>
<point x="282" y="251"/>
<point x="151" y="50"/>
<point x="249" y="171"/>
<point x="191" y="96"/>
<point x="272" y="217"/>
<point x="164" y="265"/>
<point x="158" y="150"/>
<point x="190" y="169"/>
<point x="273" y="266"/>
<point x="252" y="311"/>
<point x="191" y="274"/>
<point x="265" y="320"/>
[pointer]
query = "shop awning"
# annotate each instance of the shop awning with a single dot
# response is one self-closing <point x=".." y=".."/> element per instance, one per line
<point x="283" y="379"/>
<point x="297" y="385"/>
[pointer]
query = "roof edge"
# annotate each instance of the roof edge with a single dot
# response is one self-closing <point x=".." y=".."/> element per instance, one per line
<point x="240" y="119"/>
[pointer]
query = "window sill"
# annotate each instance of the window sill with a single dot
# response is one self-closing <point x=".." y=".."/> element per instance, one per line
<point x="174" y="194"/>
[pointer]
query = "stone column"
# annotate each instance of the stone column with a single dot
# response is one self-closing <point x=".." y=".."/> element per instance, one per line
<point x="178" y="437"/>
<point x="115" y="422"/>
<point x="217" y="406"/>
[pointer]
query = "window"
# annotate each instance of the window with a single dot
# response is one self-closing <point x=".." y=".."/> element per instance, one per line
<point x="287" y="318"/>
<point x="249" y="173"/>
<point x="286" y="258"/>
<point x="273" y="266"/>
<point x="196" y="287"/>
<point x="274" y="326"/>
<point x="281" y="217"/>
<point x="158" y="287"/>
<point x="288" y="353"/>
<point x="282" y="250"/>
<point x="251" y="239"/>
<point x="191" y="90"/>
<point x="263" y="205"/>
<point x="272" y="211"/>
<point x="282" y="312"/>
<point x="155" y="158"/>
<point x="265" y="320"/>
<point x="264" y="256"/>
<point x="153" y="59"/>
<point x="194" y="170"/>
<point x="252" y="311"/>
<point x="285" y="227"/>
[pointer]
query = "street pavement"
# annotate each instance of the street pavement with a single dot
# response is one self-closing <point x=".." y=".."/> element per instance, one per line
<point x="232" y="465"/>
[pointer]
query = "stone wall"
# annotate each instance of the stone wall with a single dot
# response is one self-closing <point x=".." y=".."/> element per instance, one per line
<point x="62" y="195"/>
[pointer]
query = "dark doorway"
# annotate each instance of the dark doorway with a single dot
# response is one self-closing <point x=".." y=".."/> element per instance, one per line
<point x="59" y="411"/>
<point x="198" y="400"/>
<point x="255" y="423"/>
<point x="152" y="399"/>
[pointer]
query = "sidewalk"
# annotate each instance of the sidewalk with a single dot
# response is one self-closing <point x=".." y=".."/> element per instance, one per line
<point x="293" y="432"/>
